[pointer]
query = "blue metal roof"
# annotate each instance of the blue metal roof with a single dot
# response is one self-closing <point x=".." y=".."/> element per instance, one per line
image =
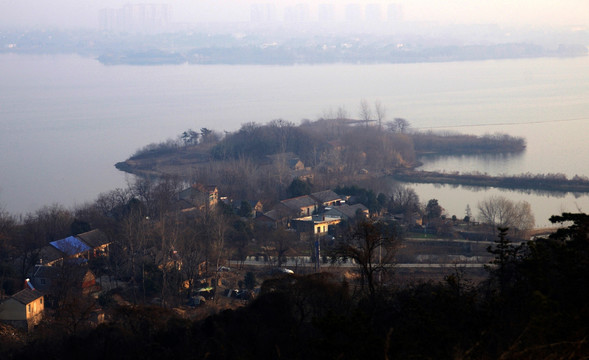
<point x="70" y="245"/>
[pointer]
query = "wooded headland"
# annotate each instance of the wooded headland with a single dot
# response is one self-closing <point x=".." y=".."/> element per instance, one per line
<point x="332" y="152"/>
<point x="263" y="159"/>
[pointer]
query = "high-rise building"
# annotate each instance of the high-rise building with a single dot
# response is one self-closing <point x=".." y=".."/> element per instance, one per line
<point x="354" y="13"/>
<point x="298" y="13"/>
<point x="263" y="13"/>
<point x="395" y="13"/>
<point x="326" y="13"/>
<point x="373" y="13"/>
<point x="135" y="18"/>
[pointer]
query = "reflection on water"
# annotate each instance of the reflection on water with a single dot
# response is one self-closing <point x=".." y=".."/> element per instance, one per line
<point x="491" y="164"/>
<point x="553" y="147"/>
<point x="455" y="198"/>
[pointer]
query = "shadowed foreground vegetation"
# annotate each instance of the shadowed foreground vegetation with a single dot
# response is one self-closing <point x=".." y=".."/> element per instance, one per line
<point x="534" y="305"/>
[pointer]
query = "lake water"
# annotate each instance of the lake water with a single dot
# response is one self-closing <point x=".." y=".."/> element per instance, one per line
<point x="65" y="119"/>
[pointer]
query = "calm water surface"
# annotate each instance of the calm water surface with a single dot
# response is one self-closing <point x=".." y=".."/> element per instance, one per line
<point x="65" y="120"/>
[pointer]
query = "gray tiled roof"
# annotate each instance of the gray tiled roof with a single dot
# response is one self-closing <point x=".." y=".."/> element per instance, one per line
<point x="348" y="211"/>
<point x="48" y="254"/>
<point x="94" y="238"/>
<point x="272" y="214"/>
<point x="326" y="196"/>
<point x="299" y="202"/>
<point x="26" y="296"/>
<point x="42" y="271"/>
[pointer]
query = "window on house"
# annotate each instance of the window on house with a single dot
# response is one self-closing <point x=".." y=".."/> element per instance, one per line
<point x="41" y="301"/>
<point x="29" y="307"/>
<point x="42" y="281"/>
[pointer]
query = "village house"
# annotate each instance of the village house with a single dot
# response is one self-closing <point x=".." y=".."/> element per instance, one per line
<point x="73" y="248"/>
<point x="296" y="164"/>
<point x="269" y="219"/>
<point x="200" y="196"/>
<point x="49" y="255"/>
<point x="83" y="247"/>
<point x="328" y="198"/>
<point x="289" y="159"/>
<point x="256" y="207"/>
<point x="347" y="212"/>
<point x="97" y="241"/>
<point x="315" y="225"/>
<point x="71" y="277"/>
<point x="327" y="203"/>
<point x="23" y="310"/>
<point x="300" y="206"/>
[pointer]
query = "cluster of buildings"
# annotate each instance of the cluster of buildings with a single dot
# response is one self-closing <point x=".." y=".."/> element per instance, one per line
<point x="50" y="276"/>
<point x="313" y="214"/>
<point x="135" y="18"/>
<point x="157" y="17"/>
<point x="62" y="264"/>
<point x="326" y="12"/>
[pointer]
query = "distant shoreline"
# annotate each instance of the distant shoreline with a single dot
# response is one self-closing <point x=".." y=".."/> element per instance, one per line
<point x="515" y="182"/>
<point x="255" y="56"/>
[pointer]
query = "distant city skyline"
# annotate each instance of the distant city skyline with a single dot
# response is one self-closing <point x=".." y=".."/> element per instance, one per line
<point x="90" y="13"/>
<point x="135" y="18"/>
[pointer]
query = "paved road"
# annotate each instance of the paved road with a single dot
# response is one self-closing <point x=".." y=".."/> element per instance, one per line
<point x="304" y="262"/>
<point x="450" y="241"/>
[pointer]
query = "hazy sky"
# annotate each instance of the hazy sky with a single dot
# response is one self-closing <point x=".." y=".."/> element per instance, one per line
<point x="84" y="13"/>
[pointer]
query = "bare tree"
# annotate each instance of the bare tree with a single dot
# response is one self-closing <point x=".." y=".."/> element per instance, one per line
<point x="372" y="246"/>
<point x="404" y="200"/>
<point x="342" y="113"/>
<point x="7" y="234"/>
<point x="55" y="221"/>
<point x="498" y="211"/>
<point x="190" y="250"/>
<point x="523" y="218"/>
<point x="399" y="125"/>
<point x="133" y="240"/>
<point x="167" y="230"/>
<point x="365" y="112"/>
<point x="380" y="113"/>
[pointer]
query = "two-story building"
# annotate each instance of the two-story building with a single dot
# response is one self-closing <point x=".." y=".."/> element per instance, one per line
<point x="315" y="225"/>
